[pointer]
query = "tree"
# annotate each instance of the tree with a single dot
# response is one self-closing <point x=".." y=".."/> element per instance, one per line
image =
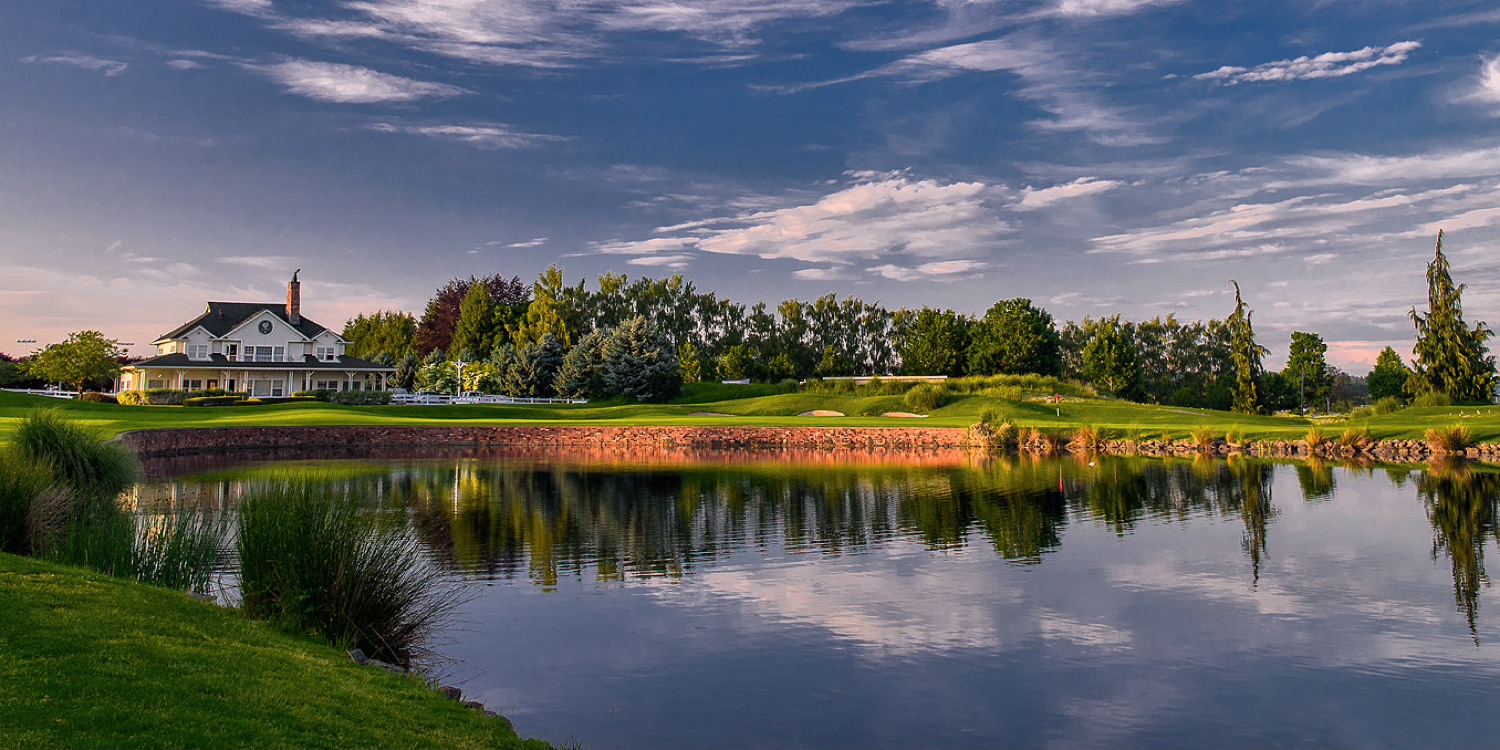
<point x="1306" y="368"/>
<point x="1109" y="358"/>
<point x="406" y="371"/>
<point x="477" y="323"/>
<point x="1451" y="358"/>
<point x="440" y="319"/>
<point x="83" y="356"/>
<point x="580" y="375"/>
<point x="530" y="373"/>
<point x="639" y="362"/>
<point x="1014" y="338"/>
<point x="1389" y="376"/>
<point x="547" y="313"/>
<point x="1245" y="354"/>
<point x="392" y="333"/>
<point x="933" y="342"/>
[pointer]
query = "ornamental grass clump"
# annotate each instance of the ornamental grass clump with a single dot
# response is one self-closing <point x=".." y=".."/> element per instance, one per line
<point x="1085" y="438"/>
<point x="75" y="455"/>
<point x="1450" y="439"/>
<point x="314" y="559"/>
<point x="925" y="397"/>
<point x="1203" y="436"/>
<point x="1314" y="439"/>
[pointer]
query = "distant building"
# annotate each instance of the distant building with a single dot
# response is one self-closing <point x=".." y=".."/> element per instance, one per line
<point x="265" y="349"/>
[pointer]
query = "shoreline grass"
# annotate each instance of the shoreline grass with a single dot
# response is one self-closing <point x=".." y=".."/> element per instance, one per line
<point x="198" y="675"/>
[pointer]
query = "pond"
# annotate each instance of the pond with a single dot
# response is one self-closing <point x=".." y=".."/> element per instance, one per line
<point x="740" y="599"/>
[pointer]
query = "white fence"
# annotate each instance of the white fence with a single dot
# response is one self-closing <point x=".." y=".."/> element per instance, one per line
<point x="53" y="392"/>
<point x="434" y="399"/>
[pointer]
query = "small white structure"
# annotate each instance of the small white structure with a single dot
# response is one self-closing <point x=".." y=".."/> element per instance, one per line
<point x="264" y="349"/>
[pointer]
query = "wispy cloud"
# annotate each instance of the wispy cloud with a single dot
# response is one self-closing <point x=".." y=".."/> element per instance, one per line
<point x="349" y="84"/>
<point x="1486" y="88"/>
<point x="87" y="62"/>
<point x="490" y="136"/>
<point x="879" y="218"/>
<point x="538" y="242"/>
<point x="943" y="270"/>
<point x="1105" y="7"/>
<point x="1034" y="198"/>
<point x="1326" y="65"/>
<point x="542" y="33"/>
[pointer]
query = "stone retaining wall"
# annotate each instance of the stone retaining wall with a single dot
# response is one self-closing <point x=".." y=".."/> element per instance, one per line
<point x="189" y="440"/>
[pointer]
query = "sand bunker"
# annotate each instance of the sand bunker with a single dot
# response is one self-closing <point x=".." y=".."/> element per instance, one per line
<point x="821" y="413"/>
<point x="708" y="414"/>
<point x="906" y="414"/>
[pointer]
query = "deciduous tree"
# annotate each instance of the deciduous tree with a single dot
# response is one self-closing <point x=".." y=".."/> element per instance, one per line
<point x="83" y="356"/>
<point x="1013" y="338"/>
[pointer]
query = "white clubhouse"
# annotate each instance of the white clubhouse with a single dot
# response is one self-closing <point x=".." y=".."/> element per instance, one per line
<point x="265" y="349"/>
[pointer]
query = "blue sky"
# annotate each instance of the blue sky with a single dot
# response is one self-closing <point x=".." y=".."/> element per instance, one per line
<point x="1096" y="156"/>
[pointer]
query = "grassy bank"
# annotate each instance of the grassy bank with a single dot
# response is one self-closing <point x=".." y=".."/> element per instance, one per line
<point x="95" y="661"/>
<point x="776" y="409"/>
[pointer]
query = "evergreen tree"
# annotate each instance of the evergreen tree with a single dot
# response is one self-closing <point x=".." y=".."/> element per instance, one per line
<point x="1245" y="354"/>
<point x="579" y="375"/>
<point x="1451" y="358"/>
<point x="440" y="319"/>
<point x="392" y="333"/>
<point x="477" y="319"/>
<point x="406" y="372"/>
<point x="1109" y="358"/>
<point x="1389" y="376"/>
<point x="1306" y="369"/>
<point x="1014" y="338"/>
<point x="639" y="362"/>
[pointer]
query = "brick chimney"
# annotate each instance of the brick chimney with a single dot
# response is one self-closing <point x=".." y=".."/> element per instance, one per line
<point x="294" y="300"/>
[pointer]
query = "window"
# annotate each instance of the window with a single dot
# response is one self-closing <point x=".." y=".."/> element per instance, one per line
<point x="279" y="355"/>
<point x="232" y="350"/>
<point x="153" y="383"/>
<point x="212" y="384"/>
<point x="324" y="353"/>
<point x="197" y="351"/>
<point x="192" y="385"/>
<point x="263" y="353"/>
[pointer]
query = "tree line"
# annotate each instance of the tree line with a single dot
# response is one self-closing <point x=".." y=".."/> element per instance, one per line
<point x="512" y="330"/>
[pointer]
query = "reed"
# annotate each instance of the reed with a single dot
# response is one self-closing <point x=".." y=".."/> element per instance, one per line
<point x="312" y="558"/>
<point x="1203" y="436"/>
<point x="1314" y="439"/>
<point x="1085" y="438"/>
<point x="1453" y="439"/>
<point x="25" y="488"/>
<point x="77" y="456"/>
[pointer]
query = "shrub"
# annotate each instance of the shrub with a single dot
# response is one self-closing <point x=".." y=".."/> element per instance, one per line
<point x="990" y="415"/>
<point x="95" y="397"/>
<point x="75" y="455"/>
<point x="1432" y="398"/>
<point x="313" y="559"/>
<point x="212" y="401"/>
<point x="925" y="397"/>
<point x="1450" y="439"/>
<point x="23" y="485"/>
<point x="321" y="394"/>
<point x="360" y="398"/>
<point x="152" y="397"/>
<point x="267" y="400"/>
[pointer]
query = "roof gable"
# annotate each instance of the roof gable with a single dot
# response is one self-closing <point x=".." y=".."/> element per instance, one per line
<point x="222" y="318"/>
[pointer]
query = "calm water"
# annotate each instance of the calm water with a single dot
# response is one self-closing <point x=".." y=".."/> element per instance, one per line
<point x="813" y="600"/>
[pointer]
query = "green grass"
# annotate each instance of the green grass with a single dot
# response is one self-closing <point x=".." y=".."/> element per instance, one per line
<point x="92" y="661"/>
<point x="763" y="409"/>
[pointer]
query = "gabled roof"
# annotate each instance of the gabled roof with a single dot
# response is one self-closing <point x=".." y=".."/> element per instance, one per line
<point x="222" y="317"/>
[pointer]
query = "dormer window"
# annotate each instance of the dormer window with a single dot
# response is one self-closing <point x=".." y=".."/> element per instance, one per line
<point x="197" y="351"/>
<point x="324" y="353"/>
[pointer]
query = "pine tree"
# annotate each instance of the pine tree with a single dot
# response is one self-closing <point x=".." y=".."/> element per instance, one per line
<point x="1389" y="376"/>
<point x="1451" y="358"/>
<point x="1306" y="369"/>
<point x="579" y="375"/>
<point x="639" y="362"/>
<point x="1245" y="354"/>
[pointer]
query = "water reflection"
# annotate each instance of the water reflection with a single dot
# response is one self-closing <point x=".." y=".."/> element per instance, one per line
<point x="605" y="517"/>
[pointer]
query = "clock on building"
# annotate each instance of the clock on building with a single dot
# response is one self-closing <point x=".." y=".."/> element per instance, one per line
<point x="265" y="326"/>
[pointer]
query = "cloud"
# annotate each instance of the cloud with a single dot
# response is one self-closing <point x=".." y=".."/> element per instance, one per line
<point x="1487" y="86"/>
<point x="945" y="270"/>
<point x="544" y="33"/>
<point x="1361" y="169"/>
<point x="1033" y="198"/>
<point x="267" y="262"/>
<point x="529" y="243"/>
<point x="181" y="64"/>
<point x="490" y="136"/>
<point x="109" y="68"/>
<point x="1047" y="79"/>
<point x="1326" y="65"/>
<point x="1105" y="7"/>
<point x="670" y="261"/>
<point x="879" y="218"/>
<point x="349" y="84"/>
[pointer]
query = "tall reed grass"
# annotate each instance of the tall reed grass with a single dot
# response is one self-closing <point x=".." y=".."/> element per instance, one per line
<point x="1452" y="439"/>
<point x="59" y="498"/>
<point x="311" y="557"/>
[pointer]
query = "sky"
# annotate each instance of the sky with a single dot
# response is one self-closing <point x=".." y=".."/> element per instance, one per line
<point x="1095" y="156"/>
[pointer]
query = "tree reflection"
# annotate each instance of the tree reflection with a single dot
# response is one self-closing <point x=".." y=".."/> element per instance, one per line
<point x="1461" y="503"/>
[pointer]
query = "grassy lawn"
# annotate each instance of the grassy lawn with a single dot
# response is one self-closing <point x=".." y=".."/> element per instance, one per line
<point x="94" y="661"/>
<point x="762" y="408"/>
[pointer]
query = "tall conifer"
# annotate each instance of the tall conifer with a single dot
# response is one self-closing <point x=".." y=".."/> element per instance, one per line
<point x="1451" y="358"/>
<point x="1245" y="354"/>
